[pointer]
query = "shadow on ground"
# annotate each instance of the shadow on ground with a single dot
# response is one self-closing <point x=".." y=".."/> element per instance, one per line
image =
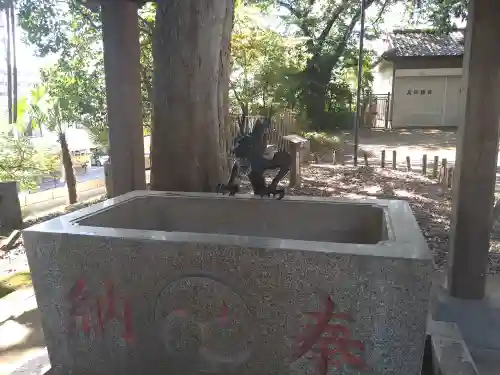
<point x="4" y="290"/>
<point x="24" y="332"/>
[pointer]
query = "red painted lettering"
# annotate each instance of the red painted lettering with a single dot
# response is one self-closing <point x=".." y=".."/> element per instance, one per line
<point x="82" y="310"/>
<point x="329" y="343"/>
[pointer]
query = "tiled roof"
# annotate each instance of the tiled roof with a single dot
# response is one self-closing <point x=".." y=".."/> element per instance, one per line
<point x="408" y="43"/>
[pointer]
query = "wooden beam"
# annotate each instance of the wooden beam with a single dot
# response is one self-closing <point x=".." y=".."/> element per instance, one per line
<point x="477" y="148"/>
<point x="120" y="31"/>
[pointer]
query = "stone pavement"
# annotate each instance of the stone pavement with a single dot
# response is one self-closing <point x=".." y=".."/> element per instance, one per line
<point x="478" y="321"/>
<point x="22" y="346"/>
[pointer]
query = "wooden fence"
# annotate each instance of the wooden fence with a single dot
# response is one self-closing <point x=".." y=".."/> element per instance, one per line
<point x="281" y="125"/>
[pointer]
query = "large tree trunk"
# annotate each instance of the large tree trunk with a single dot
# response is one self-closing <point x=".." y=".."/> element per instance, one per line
<point x="191" y="76"/>
<point x="317" y="75"/>
<point x="69" y="173"/>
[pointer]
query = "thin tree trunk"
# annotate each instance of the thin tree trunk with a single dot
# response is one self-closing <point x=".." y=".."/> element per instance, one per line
<point x="191" y="67"/>
<point x="9" y="66"/>
<point x="14" y="59"/>
<point x="223" y="89"/>
<point x="68" y="168"/>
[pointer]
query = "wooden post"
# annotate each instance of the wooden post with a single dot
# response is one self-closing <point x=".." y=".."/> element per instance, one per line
<point x="477" y="151"/>
<point x="394" y="160"/>
<point x="408" y="164"/>
<point x="444" y="171"/>
<point x="365" y="156"/>
<point x="435" y="167"/>
<point x="449" y="183"/>
<point x="295" y="168"/>
<point x="387" y="110"/>
<point x="424" y="164"/>
<point x="120" y="33"/>
<point x="382" y="160"/>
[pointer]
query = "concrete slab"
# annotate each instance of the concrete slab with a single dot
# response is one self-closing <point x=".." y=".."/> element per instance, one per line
<point x="479" y="321"/>
<point x="450" y="355"/>
<point x="487" y="360"/>
<point x="180" y="283"/>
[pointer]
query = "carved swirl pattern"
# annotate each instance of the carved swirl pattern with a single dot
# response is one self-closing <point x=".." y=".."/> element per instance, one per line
<point x="205" y="321"/>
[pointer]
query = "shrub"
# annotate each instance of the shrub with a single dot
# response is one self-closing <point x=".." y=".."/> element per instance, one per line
<point x="321" y="142"/>
<point x="19" y="161"/>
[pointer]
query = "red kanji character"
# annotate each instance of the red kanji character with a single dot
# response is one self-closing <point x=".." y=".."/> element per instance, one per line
<point x="78" y="295"/>
<point x="306" y="341"/>
<point x="110" y="302"/>
<point x="333" y="343"/>
<point x="100" y="322"/>
<point x="127" y="317"/>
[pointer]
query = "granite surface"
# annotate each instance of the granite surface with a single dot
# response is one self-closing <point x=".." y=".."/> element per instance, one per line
<point x="118" y="295"/>
<point x="10" y="208"/>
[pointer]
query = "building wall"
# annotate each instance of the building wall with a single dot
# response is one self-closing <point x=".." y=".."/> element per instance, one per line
<point x="430" y="62"/>
<point x="427" y="97"/>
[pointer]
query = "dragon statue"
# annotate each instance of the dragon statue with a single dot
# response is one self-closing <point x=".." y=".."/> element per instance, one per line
<point x="252" y="159"/>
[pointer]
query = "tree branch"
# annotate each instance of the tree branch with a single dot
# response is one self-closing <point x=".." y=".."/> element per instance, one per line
<point x="84" y="14"/>
<point x="333" y="58"/>
<point x="335" y="16"/>
<point x="382" y="10"/>
<point x="147" y="26"/>
<point x="299" y="15"/>
<point x="238" y="98"/>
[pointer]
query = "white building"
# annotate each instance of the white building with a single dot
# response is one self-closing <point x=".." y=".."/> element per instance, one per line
<point x="422" y="72"/>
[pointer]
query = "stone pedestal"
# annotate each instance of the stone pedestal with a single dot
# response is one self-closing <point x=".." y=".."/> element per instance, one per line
<point x="477" y="149"/>
<point x="180" y="283"/>
<point x="10" y="208"/>
<point x="296" y="145"/>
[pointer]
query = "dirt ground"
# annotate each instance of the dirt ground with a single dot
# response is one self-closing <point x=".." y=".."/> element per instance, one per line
<point x="412" y="143"/>
<point x="430" y="203"/>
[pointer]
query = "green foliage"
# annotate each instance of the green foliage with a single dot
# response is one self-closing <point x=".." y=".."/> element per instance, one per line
<point x="51" y="165"/>
<point x="443" y="14"/>
<point x="309" y="66"/>
<point x="73" y="32"/>
<point x="19" y="161"/>
<point x="264" y="65"/>
<point x="328" y="32"/>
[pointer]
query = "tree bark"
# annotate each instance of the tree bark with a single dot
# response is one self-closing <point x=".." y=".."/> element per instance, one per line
<point x="191" y="82"/>
<point x="14" y="60"/>
<point x="69" y="173"/>
<point x="318" y="77"/>
<point x="9" y="65"/>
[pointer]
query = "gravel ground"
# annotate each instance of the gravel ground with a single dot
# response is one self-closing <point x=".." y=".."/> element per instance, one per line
<point x="430" y="203"/>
